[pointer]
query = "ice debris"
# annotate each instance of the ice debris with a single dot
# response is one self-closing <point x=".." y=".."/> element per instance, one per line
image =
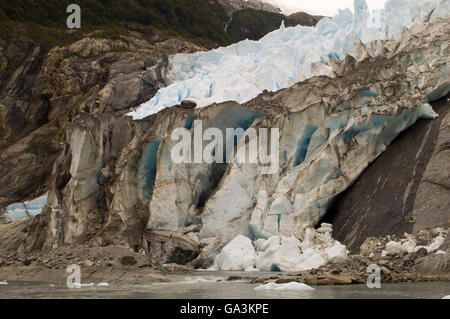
<point x="280" y="253"/>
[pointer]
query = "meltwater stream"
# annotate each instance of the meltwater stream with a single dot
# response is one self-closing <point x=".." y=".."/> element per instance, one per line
<point x="213" y="285"/>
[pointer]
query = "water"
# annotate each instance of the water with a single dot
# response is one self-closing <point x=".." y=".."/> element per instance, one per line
<point x="202" y="285"/>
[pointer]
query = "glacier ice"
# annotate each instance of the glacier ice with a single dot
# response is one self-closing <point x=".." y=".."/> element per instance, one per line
<point x="25" y="210"/>
<point x="283" y="57"/>
<point x="281" y="253"/>
<point x="239" y="254"/>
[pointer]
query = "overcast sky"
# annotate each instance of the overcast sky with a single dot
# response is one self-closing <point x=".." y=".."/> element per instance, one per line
<point x="322" y="7"/>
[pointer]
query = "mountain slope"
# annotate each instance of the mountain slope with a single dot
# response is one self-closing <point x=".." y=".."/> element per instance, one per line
<point x="255" y="24"/>
<point x="194" y="19"/>
<point x="232" y="6"/>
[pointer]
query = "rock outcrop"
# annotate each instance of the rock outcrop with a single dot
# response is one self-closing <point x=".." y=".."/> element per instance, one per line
<point x="43" y="92"/>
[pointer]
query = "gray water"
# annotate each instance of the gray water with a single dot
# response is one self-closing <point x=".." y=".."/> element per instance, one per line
<point x="202" y="285"/>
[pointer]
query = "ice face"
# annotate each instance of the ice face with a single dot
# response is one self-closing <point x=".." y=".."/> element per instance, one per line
<point x="243" y="70"/>
<point x="25" y="210"/>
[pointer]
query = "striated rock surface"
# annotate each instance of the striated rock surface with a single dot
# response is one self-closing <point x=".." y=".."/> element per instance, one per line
<point x="404" y="190"/>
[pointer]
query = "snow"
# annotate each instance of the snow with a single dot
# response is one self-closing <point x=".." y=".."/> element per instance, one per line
<point x="283" y="57"/>
<point x="18" y="212"/>
<point x="292" y="286"/>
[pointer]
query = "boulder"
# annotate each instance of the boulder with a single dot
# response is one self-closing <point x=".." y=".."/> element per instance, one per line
<point x="238" y="254"/>
<point x="188" y="105"/>
<point x="127" y="261"/>
<point x="394" y="248"/>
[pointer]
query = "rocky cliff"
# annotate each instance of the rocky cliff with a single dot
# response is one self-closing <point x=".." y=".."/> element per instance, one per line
<point x="42" y="92"/>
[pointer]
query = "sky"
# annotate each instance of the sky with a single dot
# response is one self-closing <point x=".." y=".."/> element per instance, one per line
<point x="321" y="7"/>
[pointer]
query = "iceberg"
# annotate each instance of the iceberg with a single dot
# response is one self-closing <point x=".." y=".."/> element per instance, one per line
<point x="292" y="286"/>
<point x="241" y="71"/>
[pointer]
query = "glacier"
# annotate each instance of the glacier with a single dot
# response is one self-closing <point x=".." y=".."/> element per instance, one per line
<point x="331" y="128"/>
<point x="286" y="56"/>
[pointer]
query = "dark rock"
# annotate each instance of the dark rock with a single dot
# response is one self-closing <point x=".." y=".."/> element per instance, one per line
<point x="188" y="105"/>
<point x="128" y="260"/>
<point x="422" y="252"/>
<point x="335" y="272"/>
<point x="168" y="247"/>
<point x="435" y="265"/>
<point x="385" y="270"/>
<point x="284" y="280"/>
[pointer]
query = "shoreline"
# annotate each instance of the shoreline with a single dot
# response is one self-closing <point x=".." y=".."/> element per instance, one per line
<point x="144" y="276"/>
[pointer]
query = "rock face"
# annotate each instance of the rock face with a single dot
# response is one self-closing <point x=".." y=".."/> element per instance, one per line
<point x="4" y="219"/>
<point x="42" y="92"/>
<point x="405" y="190"/>
<point x="115" y="182"/>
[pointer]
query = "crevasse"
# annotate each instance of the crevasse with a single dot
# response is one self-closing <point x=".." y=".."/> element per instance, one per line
<point x="241" y="71"/>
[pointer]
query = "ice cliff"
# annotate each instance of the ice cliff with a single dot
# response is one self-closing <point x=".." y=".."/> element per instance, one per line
<point x="286" y="56"/>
